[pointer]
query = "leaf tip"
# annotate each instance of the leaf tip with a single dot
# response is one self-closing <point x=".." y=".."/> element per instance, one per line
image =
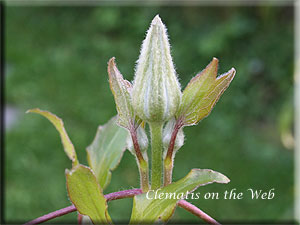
<point x="215" y="60"/>
<point x="226" y="179"/>
<point x="221" y="178"/>
<point x="33" y="110"/>
<point x="214" y="66"/>
<point x="230" y="74"/>
<point x="232" y="71"/>
<point x="111" y="60"/>
<point x="111" y="65"/>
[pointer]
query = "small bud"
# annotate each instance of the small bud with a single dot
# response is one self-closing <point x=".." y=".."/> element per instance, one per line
<point x="167" y="134"/>
<point x="142" y="141"/>
<point x="156" y="91"/>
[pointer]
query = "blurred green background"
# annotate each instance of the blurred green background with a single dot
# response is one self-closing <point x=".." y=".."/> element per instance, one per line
<point x="56" y="59"/>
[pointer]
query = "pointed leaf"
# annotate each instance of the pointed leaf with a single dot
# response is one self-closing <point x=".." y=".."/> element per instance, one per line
<point x="148" y="208"/>
<point x="202" y="93"/>
<point x="106" y="150"/>
<point x="86" y="194"/>
<point x="121" y="90"/>
<point x="59" y="125"/>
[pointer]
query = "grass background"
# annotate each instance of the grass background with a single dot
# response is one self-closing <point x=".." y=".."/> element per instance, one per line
<point x="56" y="59"/>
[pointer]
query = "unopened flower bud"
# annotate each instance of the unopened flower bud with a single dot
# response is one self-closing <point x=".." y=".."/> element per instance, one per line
<point x="156" y="91"/>
<point x="167" y="134"/>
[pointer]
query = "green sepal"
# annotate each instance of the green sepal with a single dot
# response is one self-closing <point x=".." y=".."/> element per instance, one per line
<point x="121" y="90"/>
<point x="202" y="93"/>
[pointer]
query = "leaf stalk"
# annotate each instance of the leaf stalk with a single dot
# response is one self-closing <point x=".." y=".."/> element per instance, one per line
<point x="168" y="161"/>
<point x="142" y="163"/>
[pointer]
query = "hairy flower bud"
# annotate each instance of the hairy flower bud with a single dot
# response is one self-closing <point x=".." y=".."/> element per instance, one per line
<point x="156" y="91"/>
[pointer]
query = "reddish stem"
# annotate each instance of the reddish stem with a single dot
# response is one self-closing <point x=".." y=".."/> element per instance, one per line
<point x="125" y="194"/>
<point x="197" y="212"/>
<point x="136" y="145"/>
<point x="52" y="215"/>
<point x="79" y="218"/>
<point x="177" y="126"/>
<point x="72" y="208"/>
<point x="168" y="161"/>
<point x="142" y="164"/>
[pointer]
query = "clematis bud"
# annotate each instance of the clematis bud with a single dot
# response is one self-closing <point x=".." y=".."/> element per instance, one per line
<point x="156" y="91"/>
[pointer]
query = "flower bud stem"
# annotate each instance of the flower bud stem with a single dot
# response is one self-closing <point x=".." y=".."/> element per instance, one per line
<point x="156" y="148"/>
<point x="168" y="162"/>
<point x="142" y="163"/>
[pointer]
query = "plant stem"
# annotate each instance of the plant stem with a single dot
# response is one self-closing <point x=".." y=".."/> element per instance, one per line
<point x="125" y="194"/>
<point x="168" y="170"/>
<point x="156" y="148"/>
<point x="52" y="215"/>
<point x="72" y="208"/>
<point x="168" y="162"/>
<point x="144" y="175"/>
<point x="122" y="194"/>
<point x="197" y="212"/>
<point x="142" y="163"/>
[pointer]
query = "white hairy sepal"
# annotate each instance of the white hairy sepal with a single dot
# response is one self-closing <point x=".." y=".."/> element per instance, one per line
<point x="167" y="134"/>
<point x="156" y="91"/>
<point x="142" y="141"/>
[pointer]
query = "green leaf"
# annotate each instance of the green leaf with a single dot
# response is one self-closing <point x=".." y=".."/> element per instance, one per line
<point x="121" y="90"/>
<point x="202" y="93"/>
<point x="86" y="194"/>
<point x="148" y="208"/>
<point x="59" y="125"/>
<point x="106" y="151"/>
